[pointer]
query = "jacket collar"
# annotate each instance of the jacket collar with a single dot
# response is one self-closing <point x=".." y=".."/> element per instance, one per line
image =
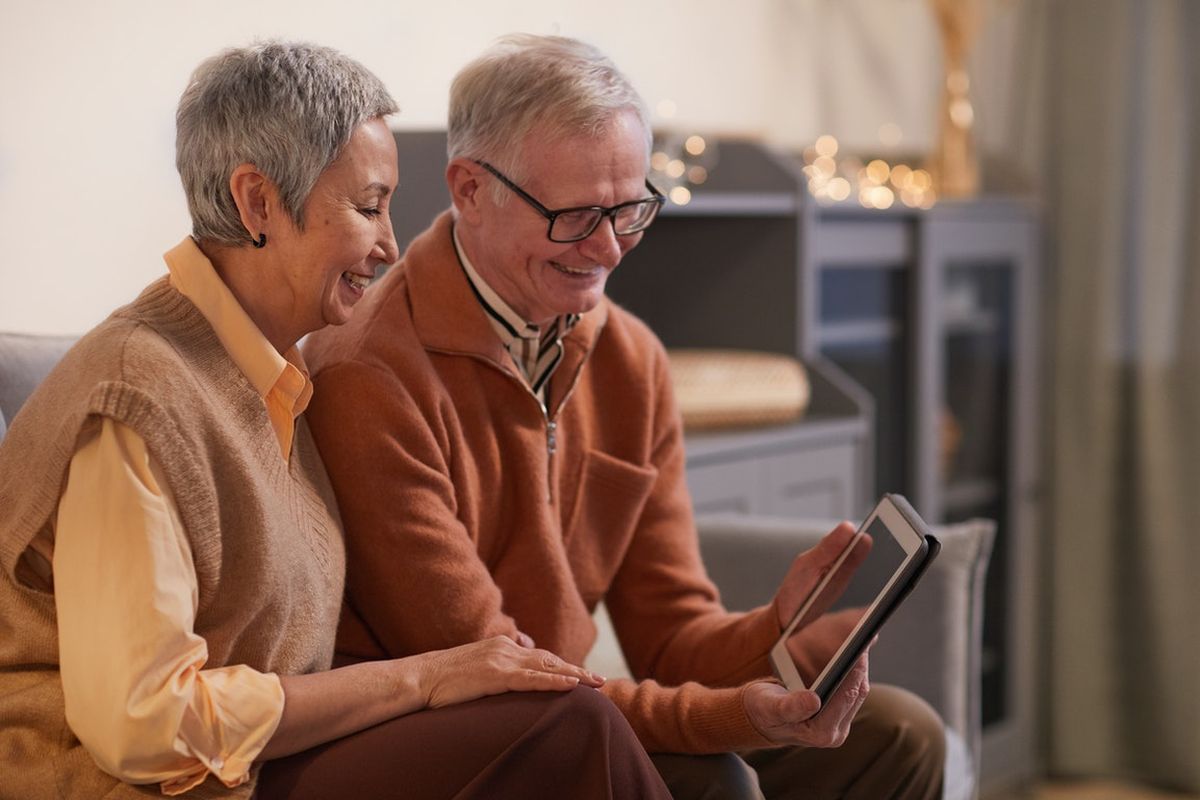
<point x="448" y="318"/>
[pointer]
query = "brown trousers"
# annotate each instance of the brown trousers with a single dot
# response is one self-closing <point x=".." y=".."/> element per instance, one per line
<point x="519" y="745"/>
<point x="896" y="751"/>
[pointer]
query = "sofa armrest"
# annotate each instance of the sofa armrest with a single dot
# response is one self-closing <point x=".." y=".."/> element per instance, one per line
<point x="25" y="359"/>
<point x="931" y="645"/>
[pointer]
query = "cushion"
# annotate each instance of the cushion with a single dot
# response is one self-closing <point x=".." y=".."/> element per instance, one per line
<point x="25" y="359"/>
<point x="737" y="388"/>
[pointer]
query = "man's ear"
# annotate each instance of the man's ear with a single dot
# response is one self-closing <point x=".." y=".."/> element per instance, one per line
<point x="253" y="193"/>
<point x="463" y="178"/>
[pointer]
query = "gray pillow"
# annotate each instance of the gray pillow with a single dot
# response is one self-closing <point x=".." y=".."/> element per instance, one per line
<point x="25" y="359"/>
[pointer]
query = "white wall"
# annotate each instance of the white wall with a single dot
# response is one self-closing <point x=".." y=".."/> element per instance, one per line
<point x="89" y="197"/>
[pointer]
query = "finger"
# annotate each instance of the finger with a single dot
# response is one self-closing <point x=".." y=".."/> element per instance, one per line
<point x="533" y="680"/>
<point x="851" y="694"/>
<point x="797" y="707"/>
<point x="525" y="640"/>
<point x="545" y="661"/>
<point x="860" y="546"/>
<point x="826" y="551"/>
<point x="779" y="715"/>
<point x="808" y="569"/>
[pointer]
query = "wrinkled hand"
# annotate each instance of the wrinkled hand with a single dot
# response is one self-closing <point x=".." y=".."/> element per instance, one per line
<point x="811" y="566"/>
<point x="796" y="718"/>
<point x="494" y="666"/>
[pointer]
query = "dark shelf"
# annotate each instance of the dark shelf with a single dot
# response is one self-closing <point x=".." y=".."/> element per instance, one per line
<point x="842" y="334"/>
<point x="734" y="204"/>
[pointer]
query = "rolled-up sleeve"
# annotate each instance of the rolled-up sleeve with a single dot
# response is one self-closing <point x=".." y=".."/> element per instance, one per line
<point x="137" y="694"/>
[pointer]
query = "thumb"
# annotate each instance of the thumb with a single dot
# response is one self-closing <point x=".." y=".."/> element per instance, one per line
<point x="801" y="705"/>
<point x="525" y="640"/>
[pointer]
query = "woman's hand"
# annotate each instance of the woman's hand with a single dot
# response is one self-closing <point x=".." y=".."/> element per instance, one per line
<point x="492" y="666"/>
<point x="323" y="706"/>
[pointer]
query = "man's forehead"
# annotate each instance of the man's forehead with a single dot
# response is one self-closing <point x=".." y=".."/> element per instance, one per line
<point x="620" y="146"/>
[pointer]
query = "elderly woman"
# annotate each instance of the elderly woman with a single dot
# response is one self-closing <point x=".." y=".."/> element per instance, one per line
<point x="172" y="554"/>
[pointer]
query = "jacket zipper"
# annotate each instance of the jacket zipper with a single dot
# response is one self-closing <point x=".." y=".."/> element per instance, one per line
<point x="551" y="422"/>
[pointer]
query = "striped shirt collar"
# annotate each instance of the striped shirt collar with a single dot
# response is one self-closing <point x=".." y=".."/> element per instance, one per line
<point x="536" y="350"/>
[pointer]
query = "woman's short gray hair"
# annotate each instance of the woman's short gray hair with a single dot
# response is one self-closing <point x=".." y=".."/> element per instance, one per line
<point x="561" y="86"/>
<point x="287" y="107"/>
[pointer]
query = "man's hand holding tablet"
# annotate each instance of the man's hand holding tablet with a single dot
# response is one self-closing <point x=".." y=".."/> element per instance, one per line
<point x="831" y="605"/>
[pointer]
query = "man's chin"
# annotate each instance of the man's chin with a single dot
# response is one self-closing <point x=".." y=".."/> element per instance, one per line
<point x="583" y="305"/>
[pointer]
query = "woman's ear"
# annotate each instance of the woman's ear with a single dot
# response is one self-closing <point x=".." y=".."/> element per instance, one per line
<point x="463" y="179"/>
<point x="253" y="193"/>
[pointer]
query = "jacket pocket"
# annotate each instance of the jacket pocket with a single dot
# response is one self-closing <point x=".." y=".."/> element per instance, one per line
<point x="609" y="499"/>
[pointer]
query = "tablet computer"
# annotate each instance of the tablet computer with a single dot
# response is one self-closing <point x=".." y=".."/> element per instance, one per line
<point x="842" y="614"/>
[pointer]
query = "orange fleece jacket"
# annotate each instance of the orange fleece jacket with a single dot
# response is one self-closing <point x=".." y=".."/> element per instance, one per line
<point x="470" y="512"/>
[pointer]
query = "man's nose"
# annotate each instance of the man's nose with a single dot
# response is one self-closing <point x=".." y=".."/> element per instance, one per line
<point x="601" y="246"/>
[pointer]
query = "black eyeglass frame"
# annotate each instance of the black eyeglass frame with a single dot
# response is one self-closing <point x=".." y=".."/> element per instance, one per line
<point x="553" y="214"/>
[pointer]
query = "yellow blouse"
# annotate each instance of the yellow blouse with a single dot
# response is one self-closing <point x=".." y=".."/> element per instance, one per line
<point x="136" y="692"/>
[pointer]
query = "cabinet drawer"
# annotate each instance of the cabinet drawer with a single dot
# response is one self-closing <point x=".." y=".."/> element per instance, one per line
<point x="724" y="488"/>
<point x="817" y="483"/>
<point x="814" y="482"/>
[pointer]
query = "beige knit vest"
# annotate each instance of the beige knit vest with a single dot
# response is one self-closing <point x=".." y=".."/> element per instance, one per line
<point x="264" y="533"/>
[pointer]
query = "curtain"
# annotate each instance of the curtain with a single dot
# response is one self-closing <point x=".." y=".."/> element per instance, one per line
<point x="1121" y="178"/>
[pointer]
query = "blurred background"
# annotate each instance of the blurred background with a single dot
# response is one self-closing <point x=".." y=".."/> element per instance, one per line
<point x="983" y="213"/>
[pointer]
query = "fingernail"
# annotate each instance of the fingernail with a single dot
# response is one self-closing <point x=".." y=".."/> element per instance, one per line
<point x="597" y="677"/>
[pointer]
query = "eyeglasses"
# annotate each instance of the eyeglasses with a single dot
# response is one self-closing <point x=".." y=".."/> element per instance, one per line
<point x="576" y="224"/>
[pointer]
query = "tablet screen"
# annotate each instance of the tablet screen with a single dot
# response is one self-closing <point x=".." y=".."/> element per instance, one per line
<point x="845" y="611"/>
<point x="816" y="644"/>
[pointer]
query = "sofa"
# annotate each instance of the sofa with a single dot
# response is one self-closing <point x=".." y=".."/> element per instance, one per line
<point x="931" y="645"/>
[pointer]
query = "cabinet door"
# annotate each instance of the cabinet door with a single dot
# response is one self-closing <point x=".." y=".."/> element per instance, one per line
<point x="811" y="483"/>
<point x="728" y="487"/>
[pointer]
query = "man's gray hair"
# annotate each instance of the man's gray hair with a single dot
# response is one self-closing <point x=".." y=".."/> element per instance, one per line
<point x="562" y="87"/>
<point x="289" y="108"/>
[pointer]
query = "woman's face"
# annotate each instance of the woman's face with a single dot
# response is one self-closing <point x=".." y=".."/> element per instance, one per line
<point x="347" y="231"/>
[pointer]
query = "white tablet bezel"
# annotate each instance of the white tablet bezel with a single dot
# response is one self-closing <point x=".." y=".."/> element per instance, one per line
<point x="910" y="540"/>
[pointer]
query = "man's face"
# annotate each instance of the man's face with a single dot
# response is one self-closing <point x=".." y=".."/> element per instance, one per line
<point x="542" y="279"/>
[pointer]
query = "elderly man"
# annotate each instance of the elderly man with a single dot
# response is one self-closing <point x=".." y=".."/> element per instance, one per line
<point x="506" y="452"/>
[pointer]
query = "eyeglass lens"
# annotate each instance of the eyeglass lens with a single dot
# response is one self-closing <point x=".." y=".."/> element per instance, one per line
<point x="579" y="224"/>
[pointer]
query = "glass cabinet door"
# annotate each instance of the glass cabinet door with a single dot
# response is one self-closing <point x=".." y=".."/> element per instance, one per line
<point x="863" y="328"/>
<point x="977" y="347"/>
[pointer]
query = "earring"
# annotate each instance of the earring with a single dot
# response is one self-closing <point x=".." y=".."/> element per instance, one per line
<point x="261" y="243"/>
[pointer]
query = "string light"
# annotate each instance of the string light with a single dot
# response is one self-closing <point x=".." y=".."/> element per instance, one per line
<point x="876" y="184"/>
<point x="826" y="145"/>
<point x="680" y="161"/>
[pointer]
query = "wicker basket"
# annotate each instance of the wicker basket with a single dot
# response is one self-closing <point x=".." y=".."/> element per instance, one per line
<point x="737" y="388"/>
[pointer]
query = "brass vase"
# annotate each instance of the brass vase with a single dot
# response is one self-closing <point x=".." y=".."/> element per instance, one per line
<point x="954" y="163"/>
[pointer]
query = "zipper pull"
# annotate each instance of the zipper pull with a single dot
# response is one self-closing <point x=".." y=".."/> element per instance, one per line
<point x="551" y="446"/>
